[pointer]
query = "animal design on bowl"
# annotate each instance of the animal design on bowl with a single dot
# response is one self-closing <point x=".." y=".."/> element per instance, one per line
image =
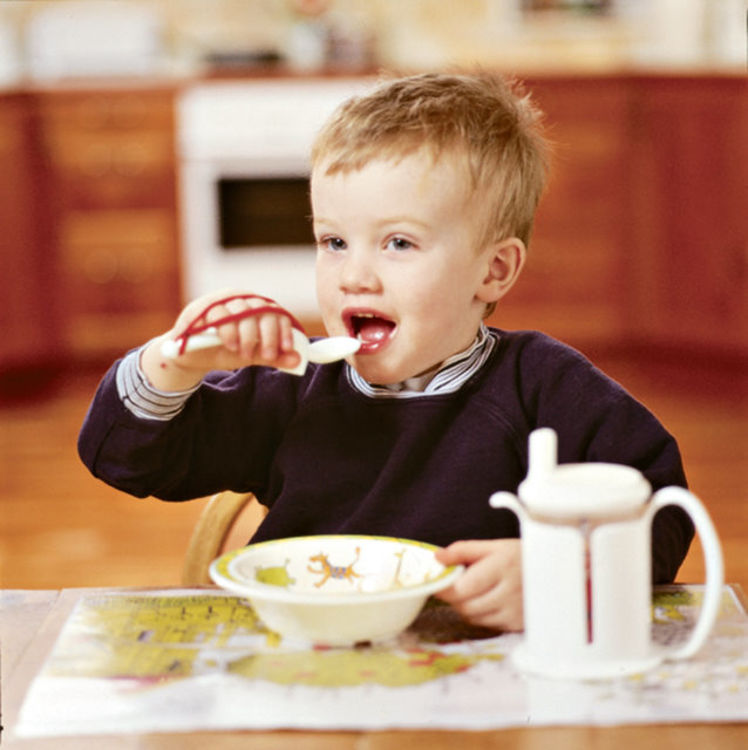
<point x="335" y="590"/>
<point x="329" y="571"/>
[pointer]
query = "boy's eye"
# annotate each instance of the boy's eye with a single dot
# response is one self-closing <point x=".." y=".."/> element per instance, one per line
<point x="399" y="243"/>
<point x="332" y="243"/>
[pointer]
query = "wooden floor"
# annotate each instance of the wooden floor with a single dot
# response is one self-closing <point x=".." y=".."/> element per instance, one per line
<point x="59" y="527"/>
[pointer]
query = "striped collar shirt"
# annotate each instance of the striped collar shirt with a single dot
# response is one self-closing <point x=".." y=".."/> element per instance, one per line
<point x="448" y="377"/>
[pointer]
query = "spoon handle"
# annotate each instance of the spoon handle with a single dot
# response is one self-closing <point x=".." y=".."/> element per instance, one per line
<point x="209" y="338"/>
<point x="204" y="340"/>
<point x="322" y="351"/>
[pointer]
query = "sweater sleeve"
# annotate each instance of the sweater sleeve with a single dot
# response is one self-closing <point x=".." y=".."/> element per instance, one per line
<point x="143" y="399"/>
<point x="597" y="420"/>
<point x="223" y="438"/>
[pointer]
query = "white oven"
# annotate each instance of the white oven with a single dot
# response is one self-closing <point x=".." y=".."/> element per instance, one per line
<point x="244" y="167"/>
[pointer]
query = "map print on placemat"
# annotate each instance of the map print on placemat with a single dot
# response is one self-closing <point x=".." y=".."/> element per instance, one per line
<point x="157" y="637"/>
<point x="202" y="659"/>
<point x="153" y="638"/>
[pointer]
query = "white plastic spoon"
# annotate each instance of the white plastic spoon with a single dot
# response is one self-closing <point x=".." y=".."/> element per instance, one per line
<point x="321" y="351"/>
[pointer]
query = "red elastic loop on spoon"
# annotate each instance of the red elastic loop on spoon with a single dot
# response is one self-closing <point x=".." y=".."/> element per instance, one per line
<point x="196" y="326"/>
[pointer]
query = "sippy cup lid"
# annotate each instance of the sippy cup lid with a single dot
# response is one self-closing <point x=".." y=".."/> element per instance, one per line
<point x="580" y="490"/>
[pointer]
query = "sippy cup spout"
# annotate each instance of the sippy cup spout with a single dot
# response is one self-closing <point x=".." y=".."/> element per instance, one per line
<point x="542" y="463"/>
<point x="543" y="453"/>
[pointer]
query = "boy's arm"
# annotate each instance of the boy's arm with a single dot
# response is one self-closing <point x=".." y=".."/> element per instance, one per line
<point x="220" y="438"/>
<point x="171" y="427"/>
<point x="597" y="420"/>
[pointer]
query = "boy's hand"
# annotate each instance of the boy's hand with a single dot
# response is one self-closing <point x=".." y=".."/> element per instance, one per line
<point x="263" y="339"/>
<point x="489" y="593"/>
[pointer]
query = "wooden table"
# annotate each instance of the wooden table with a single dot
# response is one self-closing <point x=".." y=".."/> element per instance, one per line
<point x="25" y="639"/>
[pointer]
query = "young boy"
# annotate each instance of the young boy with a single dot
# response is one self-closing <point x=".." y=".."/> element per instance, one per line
<point x="423" y="194"/>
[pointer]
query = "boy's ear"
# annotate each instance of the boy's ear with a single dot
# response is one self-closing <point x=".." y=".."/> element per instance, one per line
<point x="505" y="261"/>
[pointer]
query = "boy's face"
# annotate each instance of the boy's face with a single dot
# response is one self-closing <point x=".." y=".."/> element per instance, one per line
<point x="397" y="264"/>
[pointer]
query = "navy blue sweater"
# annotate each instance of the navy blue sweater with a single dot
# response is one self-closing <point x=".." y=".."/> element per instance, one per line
<point x="327" y="459"/>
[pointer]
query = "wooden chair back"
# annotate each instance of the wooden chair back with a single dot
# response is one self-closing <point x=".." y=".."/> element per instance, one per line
<point x="212" y="529"/>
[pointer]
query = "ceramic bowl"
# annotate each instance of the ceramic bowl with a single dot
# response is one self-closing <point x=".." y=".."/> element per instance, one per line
<point x="335" y="590"/>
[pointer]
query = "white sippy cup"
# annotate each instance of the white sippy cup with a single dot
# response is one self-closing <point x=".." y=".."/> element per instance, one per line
<point x="586" y="566"/>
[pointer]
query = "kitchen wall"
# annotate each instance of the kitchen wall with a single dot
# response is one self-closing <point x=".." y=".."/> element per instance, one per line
<point x="406" y="34"/>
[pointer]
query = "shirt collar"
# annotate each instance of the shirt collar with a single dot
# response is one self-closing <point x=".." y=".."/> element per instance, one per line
<point x="447" y="377"/>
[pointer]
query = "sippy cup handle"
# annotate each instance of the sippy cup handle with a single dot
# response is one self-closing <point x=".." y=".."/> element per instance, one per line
<point x="507" y="500"/>
<point x="715" y="572"/>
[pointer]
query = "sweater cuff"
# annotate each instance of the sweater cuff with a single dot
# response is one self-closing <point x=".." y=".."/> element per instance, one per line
<point x="143" y="400"/>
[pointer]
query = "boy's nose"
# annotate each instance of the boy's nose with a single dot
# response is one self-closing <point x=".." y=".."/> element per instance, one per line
<point x="358" y="274"/>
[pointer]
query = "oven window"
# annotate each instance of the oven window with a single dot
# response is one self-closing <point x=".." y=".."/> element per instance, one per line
<point x="264" y="212"/>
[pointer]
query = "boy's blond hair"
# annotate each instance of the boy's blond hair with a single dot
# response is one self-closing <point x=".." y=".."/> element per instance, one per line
<point x="482" y="116"/>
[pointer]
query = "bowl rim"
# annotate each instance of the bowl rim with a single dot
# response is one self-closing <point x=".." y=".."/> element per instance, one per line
<point x="219" y="573"/>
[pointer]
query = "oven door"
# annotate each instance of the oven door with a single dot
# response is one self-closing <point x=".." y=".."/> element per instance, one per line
<point x="247" y="225"/>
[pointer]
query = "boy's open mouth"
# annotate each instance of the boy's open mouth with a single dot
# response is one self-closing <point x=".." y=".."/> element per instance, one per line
<point x="371" y="329"/>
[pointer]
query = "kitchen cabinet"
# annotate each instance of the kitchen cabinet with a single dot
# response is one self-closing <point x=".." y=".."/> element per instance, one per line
<point x="689" y="250"/>
<point x="28" y="312"/>
<point x="112" y="185"/>
<point x="574" y="284"/>
<point x="641" y="238"/>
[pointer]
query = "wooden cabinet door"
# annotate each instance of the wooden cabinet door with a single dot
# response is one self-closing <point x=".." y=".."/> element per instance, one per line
<point x="575" y="283"/>
<point x="113" y="176"/>
<point x="109" y="148"/>
<point x="690" y="248"/>
<point x="117" y="280"/>
<point x="27" y="312"/>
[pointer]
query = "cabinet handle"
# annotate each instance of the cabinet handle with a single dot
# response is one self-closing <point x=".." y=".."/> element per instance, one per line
<point x="99" y="161"/>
